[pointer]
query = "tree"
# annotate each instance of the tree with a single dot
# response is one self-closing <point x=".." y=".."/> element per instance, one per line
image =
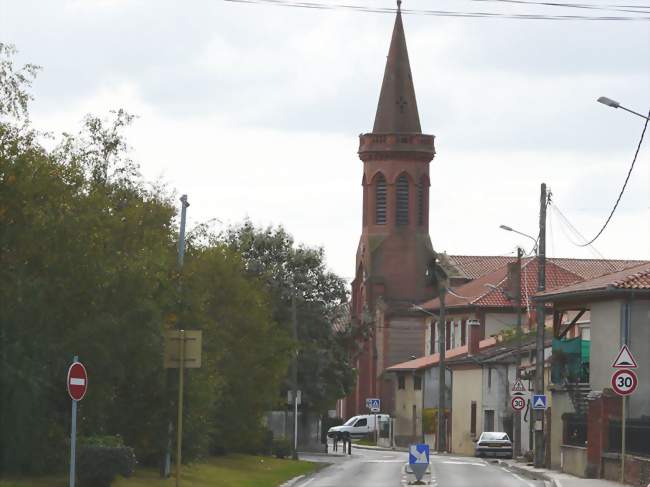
<point x="270" y="255"/>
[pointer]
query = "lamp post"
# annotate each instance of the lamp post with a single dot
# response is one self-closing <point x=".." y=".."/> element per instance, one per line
<point x="614" y="104"/>
<point x="540" y="319"/>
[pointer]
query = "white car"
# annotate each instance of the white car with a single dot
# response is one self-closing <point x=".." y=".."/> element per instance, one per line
<point x="496" y="443"/>
<point x="358" y="426"/>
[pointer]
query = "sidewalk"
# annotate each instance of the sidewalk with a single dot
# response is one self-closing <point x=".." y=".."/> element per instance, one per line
<point x="379" y="448"/>
<point x="557" y="479"/>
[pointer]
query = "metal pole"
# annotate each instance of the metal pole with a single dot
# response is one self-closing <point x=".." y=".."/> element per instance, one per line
<point x="294" y="374"/>
<point x="517" y="415"/>
<point x="440" y="440"/>
<point x="166" y="466"/>
<point x="623" y="441"/>
<point x="540" y="318"/>
<point x="179" y="425"/>
<point x="73" y="438"/>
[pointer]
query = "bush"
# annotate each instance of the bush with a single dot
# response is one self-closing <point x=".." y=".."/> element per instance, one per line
<point x="281" y="448"/>
<point x="99" y="464"/>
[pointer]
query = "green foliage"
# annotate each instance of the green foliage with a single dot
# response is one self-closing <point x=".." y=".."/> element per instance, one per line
<point x="324" y="370"/>
<point x="281" y="448"/>
<point x="88" y="268"/>
<point x="98" y="466"/>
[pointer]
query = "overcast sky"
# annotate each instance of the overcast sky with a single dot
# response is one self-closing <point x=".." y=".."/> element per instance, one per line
<point x="255" y="110"/>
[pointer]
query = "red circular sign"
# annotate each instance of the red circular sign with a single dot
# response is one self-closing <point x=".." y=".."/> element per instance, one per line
<point x="624" y="382"/>
<point x="77" y="381"/>
<point x="518" y="403"/>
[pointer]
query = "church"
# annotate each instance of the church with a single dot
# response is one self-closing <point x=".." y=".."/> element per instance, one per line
<point x="395" y="247"/>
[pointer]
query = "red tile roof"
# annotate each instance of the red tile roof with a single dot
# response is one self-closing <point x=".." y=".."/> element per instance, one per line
<point x="490" y="290"/>
<point x="637" y="277"/>
<point x="427" y="360"/>
<point x="474" y="266"/>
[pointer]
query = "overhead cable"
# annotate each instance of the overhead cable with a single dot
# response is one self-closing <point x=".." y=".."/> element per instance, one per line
<point x="440" y="13"/>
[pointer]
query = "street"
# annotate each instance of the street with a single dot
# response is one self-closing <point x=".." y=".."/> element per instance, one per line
<point x="374" y="468"/>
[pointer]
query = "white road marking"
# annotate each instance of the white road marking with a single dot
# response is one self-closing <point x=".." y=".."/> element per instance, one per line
<point x="308" y="482"/>
<point x="77" y="382"/>
<point x="464" y="463"/>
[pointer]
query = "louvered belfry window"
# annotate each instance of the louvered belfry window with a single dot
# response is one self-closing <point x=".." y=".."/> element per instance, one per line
<point x="380" y="200"/>
<point x="402" y="213"/>
<point x="421" y="202"/>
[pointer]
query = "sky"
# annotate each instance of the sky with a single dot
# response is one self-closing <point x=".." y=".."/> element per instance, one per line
<point x="254" y="111"/>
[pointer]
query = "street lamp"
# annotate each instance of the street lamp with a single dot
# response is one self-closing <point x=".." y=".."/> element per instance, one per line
<point x="614" y="104"/>
<point x="510" y="229"/>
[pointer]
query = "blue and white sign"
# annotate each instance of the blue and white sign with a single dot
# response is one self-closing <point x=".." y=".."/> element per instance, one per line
<point x="539" y="401"/>
<point x="373" y="404"/>
<point x="419" y="454"/>
<point x="419" y="460"/>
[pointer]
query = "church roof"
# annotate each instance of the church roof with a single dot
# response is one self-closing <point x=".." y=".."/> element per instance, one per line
<point x="397" y="110"/>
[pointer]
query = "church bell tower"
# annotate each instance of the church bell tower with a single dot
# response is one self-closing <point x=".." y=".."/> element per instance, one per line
<point x="395" y="247"/>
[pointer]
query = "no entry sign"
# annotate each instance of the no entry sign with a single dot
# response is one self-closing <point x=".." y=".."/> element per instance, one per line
<point x="77" y="381"/>
<point x="624" y="382"/>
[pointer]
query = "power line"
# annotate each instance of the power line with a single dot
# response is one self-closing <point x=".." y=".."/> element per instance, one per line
<point x="620" y="195"/>
<point x="440" y="13"/>
<point x="588" y="6"/>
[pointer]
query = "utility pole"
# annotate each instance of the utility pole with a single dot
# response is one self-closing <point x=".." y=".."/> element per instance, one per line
<point x="166" y="466"/>
<point x="294" y="376"/>
<point x="440" y="441"/>
<point x="517" y="416"/>
<point x="540" y="318"/>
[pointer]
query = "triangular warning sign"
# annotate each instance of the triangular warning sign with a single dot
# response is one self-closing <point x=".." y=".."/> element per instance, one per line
<point x="518" y="386"/>
<point x="625" y="360"/>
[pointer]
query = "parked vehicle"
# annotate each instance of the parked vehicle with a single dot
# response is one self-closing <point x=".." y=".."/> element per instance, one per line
<point x="358" y="426"/>
<point x="494" y="443"/>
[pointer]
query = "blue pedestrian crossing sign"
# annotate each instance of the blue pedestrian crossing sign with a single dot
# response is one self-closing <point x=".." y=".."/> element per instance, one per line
<point x="373" y="404"/>
<point x="419" y="459"/>
<point x="539" y="401"/>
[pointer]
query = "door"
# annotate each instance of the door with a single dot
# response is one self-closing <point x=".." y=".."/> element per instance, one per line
<point x="488" y="423"/>
<point x="360" y="428"/>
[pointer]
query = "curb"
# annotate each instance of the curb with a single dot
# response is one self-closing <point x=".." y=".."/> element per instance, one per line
<point x="529" y="473"/>
<point x="380" y="448"/>
<point x="295" y="480"/>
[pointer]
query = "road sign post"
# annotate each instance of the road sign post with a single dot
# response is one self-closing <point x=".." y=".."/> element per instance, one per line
<point x="419" y="459"/>
<point x="624" y="383"/>
<point x="182" y="350"/>
<point x="77" y="384"/>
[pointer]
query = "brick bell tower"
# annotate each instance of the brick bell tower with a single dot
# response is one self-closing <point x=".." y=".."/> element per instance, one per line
<point x="394" y="248"/>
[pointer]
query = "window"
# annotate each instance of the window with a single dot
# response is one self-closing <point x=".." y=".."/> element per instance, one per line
<point x="463" y="333"/>
<point x="421" y="201"/>
<point x="401" y="383"/>
<point x="489" y="377"/>
<point x="380" y="200"/>
<point x="402" y="213"/>
<point x="361" y="422"/>
<point x="472" y="421"/>
<point x="417" y="382"/>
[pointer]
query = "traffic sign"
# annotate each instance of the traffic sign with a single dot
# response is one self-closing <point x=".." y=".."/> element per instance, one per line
<point x="539" y="401"/>
<point x="77" y="381"/>
<point x="624" y="359"/>
<point x="419" y="459"/>
<point x="518" y="403"/>
<point x="624" y="382"/>
<point x="518" y="386"/>
<point x="373" y="404"/>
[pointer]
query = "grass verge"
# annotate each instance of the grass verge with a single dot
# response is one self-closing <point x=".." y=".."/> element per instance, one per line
<point x="228" y="471"/>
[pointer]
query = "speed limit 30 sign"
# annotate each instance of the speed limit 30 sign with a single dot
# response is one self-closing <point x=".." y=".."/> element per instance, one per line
<point x="518" y="403"/>
<point x="624" y="382"/>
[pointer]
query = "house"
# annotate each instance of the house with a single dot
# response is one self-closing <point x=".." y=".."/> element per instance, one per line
<point x="478" y="308"/>
<point x="585" y="433"/>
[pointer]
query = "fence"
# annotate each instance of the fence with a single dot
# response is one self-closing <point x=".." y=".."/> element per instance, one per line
<point x="637" y="434"/>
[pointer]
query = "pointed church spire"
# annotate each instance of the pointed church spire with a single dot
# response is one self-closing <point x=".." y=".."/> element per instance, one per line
<point x="397" y="110"/>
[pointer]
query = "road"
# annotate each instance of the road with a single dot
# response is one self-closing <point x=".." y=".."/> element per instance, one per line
<point x="371" y="468"/>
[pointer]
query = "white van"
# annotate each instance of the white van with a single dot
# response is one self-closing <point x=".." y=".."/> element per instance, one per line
<point x="358" y="426"/>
